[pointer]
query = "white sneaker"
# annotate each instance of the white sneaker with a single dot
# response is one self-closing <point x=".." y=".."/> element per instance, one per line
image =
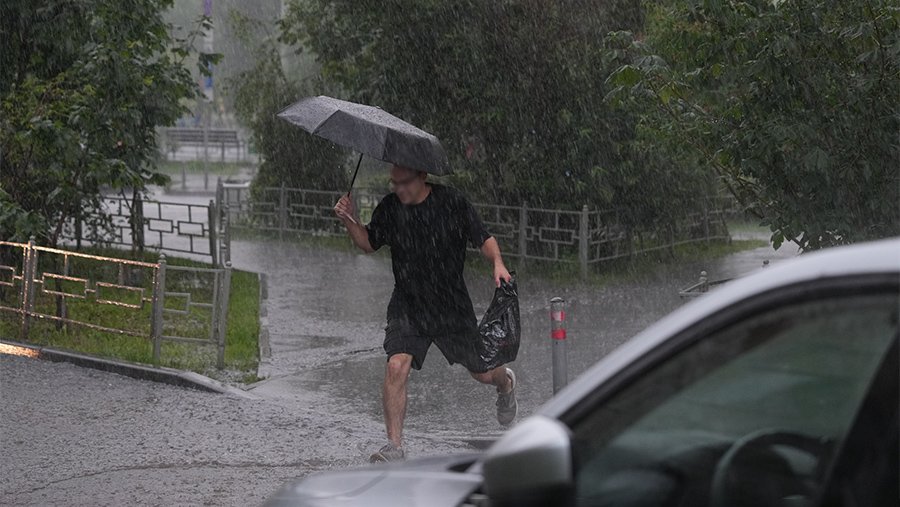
<point x="507" y="407"/>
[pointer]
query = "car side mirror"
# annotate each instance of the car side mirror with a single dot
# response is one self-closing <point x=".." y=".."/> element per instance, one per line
<point x="531" y="465"/>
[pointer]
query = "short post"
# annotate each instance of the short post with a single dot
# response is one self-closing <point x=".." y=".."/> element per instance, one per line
<point x="558" y="335"/>
<point x="704" y="282"/>
<point x="583" y="241"/>
<point x="159" y="296"/>
<point x="213" y="230"/>
<point x="523" y="234"/>
<point x="222" y="324"/>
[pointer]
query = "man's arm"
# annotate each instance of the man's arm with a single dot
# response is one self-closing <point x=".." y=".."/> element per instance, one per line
<point x="491" y="251"/>
<point x="345" y="210"/>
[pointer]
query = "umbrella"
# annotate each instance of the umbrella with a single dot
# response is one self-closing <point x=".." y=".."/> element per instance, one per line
<point x="370" y="131"/>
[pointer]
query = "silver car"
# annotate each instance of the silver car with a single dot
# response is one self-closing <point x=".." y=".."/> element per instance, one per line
<point x="779" y="389"/>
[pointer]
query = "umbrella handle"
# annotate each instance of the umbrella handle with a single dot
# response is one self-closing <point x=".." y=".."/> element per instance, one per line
<point x="355" y="173"/>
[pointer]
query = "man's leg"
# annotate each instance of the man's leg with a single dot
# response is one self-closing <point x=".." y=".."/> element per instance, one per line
<point x="496" y="377"/>
<point x="394" y="395"/>
<point x="504" y="380"/>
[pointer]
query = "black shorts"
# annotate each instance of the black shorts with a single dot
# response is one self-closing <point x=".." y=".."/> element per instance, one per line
<point x="463" y="347"/>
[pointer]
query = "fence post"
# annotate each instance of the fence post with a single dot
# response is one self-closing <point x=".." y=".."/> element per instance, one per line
<point x="159" y="296"/>
<point x="28" y="272"/>
<point x="78" y="231"/>
<point x="213" y="230"/>
<point x="558" y="335"/>
<point x="226" y="232"/>
<point x="206" y="116"/>
<point x="706" y="219"/>
<point x="583" y="241"/>
<point x="137" y="223"/>
<point x="220" y="192"/>
<point x="63" y="306"/>
<point x="523" y="234"/>
<point x="222" y="320"/>
<point x="282" y="212"/>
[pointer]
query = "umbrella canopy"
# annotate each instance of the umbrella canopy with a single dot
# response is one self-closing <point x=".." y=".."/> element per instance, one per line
<point x="369" y="130"/>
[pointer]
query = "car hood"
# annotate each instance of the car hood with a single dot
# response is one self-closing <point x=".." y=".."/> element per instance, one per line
<point x="439" y="481"/>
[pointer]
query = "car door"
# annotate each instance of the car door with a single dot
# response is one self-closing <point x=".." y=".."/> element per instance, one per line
<point x="765" y="403"/>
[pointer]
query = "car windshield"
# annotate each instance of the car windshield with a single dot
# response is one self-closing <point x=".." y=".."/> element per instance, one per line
<point x="794" y="376"/>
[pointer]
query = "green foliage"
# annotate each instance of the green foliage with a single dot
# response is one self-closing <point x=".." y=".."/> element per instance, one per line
<point x="793" y="104"/>
<point x="288" y="155"/>
<point x="515" y="90"/>
<point x="83" y="86"/>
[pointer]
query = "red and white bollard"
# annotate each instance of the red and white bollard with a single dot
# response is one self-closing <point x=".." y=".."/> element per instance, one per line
<point x="558" y="335"/>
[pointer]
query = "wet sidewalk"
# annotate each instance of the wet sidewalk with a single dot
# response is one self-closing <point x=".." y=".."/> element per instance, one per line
<point x="326" y="317"/>
<point x="326" y="309"/>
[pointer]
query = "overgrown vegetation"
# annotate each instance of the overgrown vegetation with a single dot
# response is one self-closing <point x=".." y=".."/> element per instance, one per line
<point x="643" y="106"/>
<point x="288" y="155"/>
<point x="83" y="86"/>
<point x="793" y="105"/>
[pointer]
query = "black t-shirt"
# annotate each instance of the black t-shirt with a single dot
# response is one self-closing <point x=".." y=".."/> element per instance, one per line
<point x="428" y="252"/>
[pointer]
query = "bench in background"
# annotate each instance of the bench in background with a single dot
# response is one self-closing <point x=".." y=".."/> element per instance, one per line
<point x="221" y="138"/>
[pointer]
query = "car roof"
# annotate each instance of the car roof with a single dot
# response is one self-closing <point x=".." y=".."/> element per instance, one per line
<point x="877" y="257"/>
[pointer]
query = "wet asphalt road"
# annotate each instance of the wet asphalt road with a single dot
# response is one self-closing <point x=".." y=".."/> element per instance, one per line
<point x="326" y="318"/>
<point x="72" y="436"/>
<point x="76" y="436"/>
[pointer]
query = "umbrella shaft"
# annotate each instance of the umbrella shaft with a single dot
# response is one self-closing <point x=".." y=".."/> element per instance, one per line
<point x="352" y="181"/>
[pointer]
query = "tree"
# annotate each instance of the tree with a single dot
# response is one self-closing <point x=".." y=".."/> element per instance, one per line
<point x="514" y="89"/>
<point x="83" y="85"/>
<point x="792" y="103"/>
<point x="288" y="155"/>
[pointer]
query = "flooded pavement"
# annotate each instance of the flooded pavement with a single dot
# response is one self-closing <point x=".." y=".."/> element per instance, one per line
<point x="76" y="436"/>
<point x="326" y="311"/>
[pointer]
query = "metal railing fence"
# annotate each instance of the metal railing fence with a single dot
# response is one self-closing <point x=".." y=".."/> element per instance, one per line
<point x="151" y="300"/>
<point x="173" y="227"/>
<point x="584" y="237"/>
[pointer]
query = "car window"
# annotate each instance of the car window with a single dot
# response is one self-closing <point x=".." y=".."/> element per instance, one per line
<point x="751" y="415"/>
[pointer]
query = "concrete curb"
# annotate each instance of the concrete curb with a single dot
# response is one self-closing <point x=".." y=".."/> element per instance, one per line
<point x="188" y="379"/>
<point x="263" y="368"/>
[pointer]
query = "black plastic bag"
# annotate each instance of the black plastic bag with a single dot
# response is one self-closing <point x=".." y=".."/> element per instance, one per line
<point x="500" y="327"/>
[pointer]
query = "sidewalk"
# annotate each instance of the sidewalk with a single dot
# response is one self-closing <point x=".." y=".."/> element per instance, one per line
<point x="325" y="314"/>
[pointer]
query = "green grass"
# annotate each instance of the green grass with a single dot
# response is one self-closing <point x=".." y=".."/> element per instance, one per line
<point x="627" y="269"/>
<point x="241" y="349"/>
<point x="637" y="268"/>
<point x="747" y="227"/>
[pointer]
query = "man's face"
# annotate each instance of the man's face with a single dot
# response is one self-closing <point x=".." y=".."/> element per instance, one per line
<point x="408" y="184"/>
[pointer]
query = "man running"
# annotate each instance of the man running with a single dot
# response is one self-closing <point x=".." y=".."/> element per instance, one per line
<point x="427" y="227"/>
